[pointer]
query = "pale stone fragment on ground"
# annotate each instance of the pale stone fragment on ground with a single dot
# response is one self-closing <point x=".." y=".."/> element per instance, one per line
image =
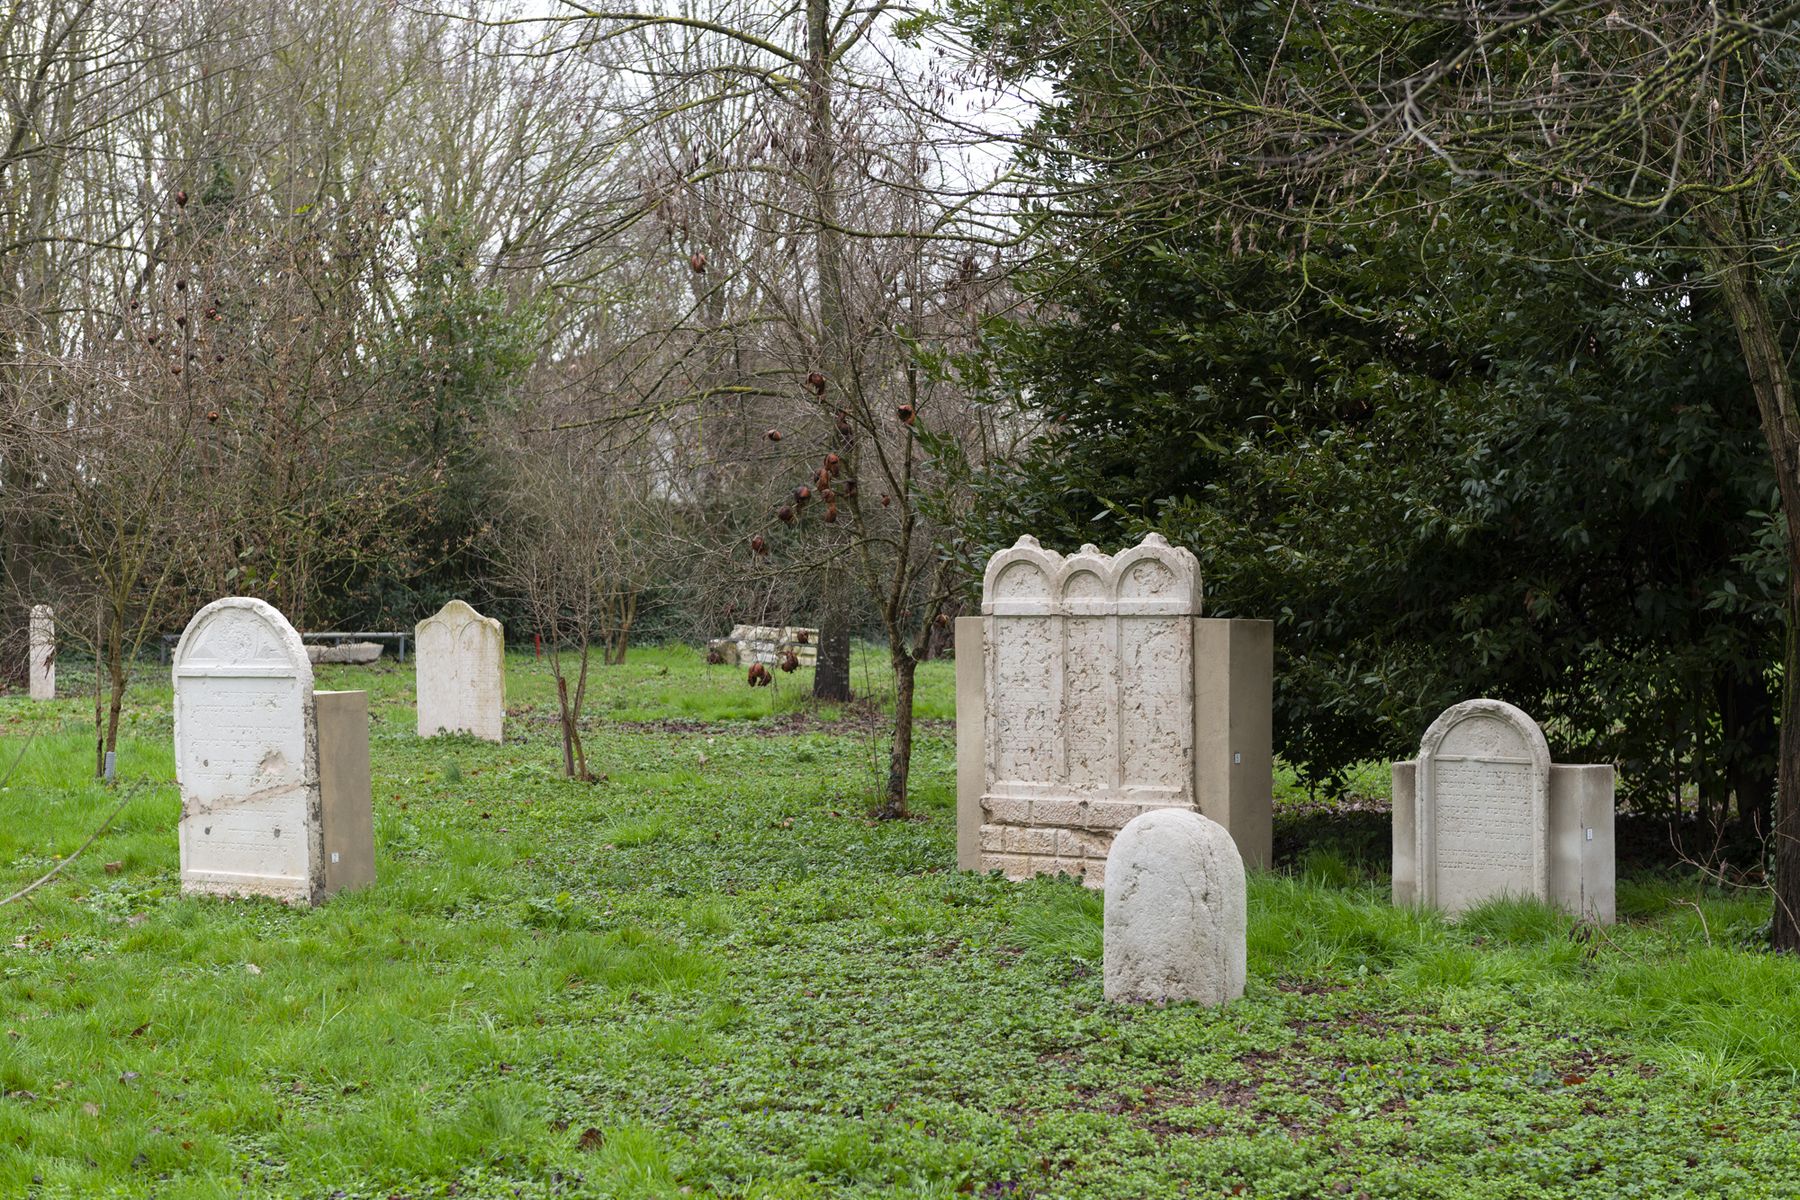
<point x="1176" y="915"/>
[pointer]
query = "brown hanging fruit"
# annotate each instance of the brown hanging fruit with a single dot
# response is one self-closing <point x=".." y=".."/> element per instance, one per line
<point x="181" y="199"/>
<point x="816" y="381"/>
<point x="786" y="515"/>
<point x="906" y="414"/>
<point x="885" y="501"/>
<point x="774" y="435"/>
<point x="790" y="662"/>
<point x="802" y="494"/>
<point x="832" y="461"/>
<point x="831" y="514"/>
<point x="758" y="545"/>
<point x="697" y="261"/>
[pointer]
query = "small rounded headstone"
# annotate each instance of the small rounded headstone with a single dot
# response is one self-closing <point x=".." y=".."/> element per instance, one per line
<point x="1175" y="911"/>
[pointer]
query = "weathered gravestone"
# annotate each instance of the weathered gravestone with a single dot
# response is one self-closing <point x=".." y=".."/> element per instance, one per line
<point x="1483" y="813"/>
<point x="1176" y="916"/>
<point x="42" y="650"/>
<point x="460" y="660"/>
<point x="247" y="755"/>
<point x="1090" y="692"/>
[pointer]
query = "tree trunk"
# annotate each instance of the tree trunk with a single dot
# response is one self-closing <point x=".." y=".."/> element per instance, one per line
<point x="568" y="727"/>
<point x="831" y="675"/>
<point x="1773" y="386"/>
<point x="893" y="798"/>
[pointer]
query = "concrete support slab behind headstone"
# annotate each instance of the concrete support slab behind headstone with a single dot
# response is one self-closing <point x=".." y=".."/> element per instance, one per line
<point x="971" y="751"/>
<point x="1582" y="850"/>
<point x="346" y="808"/>
<point x="1234" y="768"/>
<point x="1406" y="865"/>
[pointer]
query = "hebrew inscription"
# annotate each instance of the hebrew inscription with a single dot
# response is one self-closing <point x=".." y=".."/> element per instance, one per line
<point x="1483" y="822"/>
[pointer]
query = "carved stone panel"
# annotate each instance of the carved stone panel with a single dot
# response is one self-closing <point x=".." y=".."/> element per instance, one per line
<point x="1089" y="698"/>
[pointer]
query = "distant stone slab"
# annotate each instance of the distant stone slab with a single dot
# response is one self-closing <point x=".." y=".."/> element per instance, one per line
<point x="1176" y="915"/>
<point x="460" y="664"/>
<point x="357" y="653"/>
<point x="41" y="647"/>
<point x="766" y="644"/>
<point x="1483" y="813"/>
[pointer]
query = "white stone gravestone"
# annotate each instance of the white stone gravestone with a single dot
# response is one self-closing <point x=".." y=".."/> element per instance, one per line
<point x="460" y="660"/>
<point x="246" y="755"/>
<point x="1176" y="917"/>
<point x="1483" y="813"/>
<point x="1091" y="692"/>
<point x="42" y="650"/>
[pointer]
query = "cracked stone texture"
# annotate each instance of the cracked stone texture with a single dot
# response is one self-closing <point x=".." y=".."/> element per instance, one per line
<point x="1176" y="914"/>
<point x="246" y="755"/>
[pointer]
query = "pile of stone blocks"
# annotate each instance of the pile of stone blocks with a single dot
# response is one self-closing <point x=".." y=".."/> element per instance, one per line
<point x="766" y="644"/>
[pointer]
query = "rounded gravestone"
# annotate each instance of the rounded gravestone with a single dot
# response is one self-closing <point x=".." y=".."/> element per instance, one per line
<point x="1175" y="911"/>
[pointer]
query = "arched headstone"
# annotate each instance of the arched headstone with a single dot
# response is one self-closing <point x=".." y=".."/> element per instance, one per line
<point x="1176" y="916"/>
<point x="42" y="649"/>
<point x="460" y="664"/>
<point x="1483" y="827"/>
<point x="246" y="755"/>
<point x="1483" y="812"/>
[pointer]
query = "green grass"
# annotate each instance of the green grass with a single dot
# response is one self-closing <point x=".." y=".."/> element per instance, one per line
<point x="709" y="974"/>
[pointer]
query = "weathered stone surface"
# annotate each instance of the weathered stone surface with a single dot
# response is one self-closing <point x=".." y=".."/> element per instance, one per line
<point x="1483" y="823"/>
<point x="1098" y="708"/>
<point x="1484" y="813"/>
<point x="767" y="644"/>
<point x="1234" y="731"/>
<point x="246" y="755"/>
<point x="346" y="808"/>
<point x="971" y="756"/>
<point x="357" y="653"/>
<point x="42" y="650"/>
<point x="1176" y="914"/>
<point x="460" y="660"/>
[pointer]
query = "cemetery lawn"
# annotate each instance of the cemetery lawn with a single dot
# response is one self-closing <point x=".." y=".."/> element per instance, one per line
<point x="708" y="974"/>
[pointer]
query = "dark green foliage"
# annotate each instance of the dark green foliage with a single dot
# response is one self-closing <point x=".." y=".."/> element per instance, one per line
<point x="1445" y="458"/>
